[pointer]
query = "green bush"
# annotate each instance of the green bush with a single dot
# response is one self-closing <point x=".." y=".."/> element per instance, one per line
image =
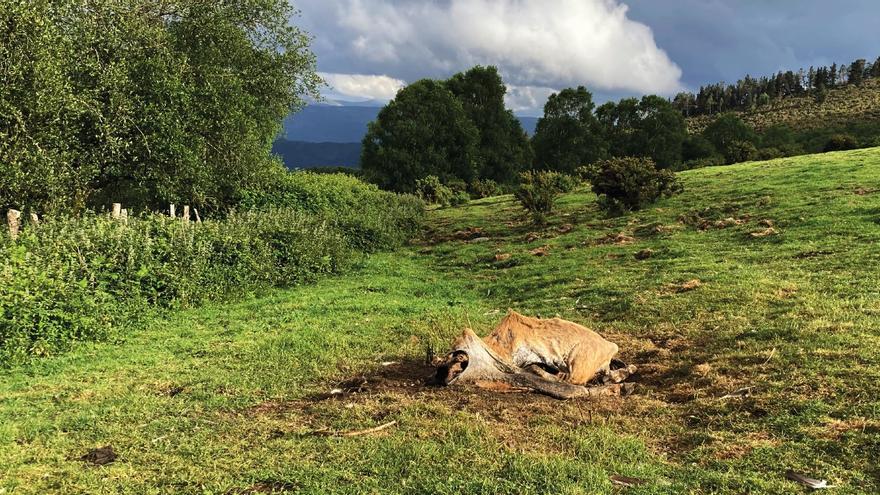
<point x="841" y="142"/>
<point x="769" y="153"/>
<point x="432" y="191"/>
<point x="710" y="161"/>
<point x="537" y="192"/>
<point x="81" y="278"/>
<point x="630" y="183"/>
<point x="460" y="198"/>
<point x="370" y="218"/>
<point x="484" y="188"/>
<point x="740" y="151"/>
<point x="567" y="183"/>
<point x="72" y="279"/>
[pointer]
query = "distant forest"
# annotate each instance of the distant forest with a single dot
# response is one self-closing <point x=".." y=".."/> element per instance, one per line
<point x="751" y="93"/>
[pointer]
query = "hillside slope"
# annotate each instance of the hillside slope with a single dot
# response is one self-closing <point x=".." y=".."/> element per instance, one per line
<point x="841" y="107"/>
<point x="234" y="398"/>
<point x="300" y="154"/>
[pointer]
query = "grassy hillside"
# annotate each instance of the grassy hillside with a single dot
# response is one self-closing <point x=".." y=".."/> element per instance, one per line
<point x="234" y="398"/>
<point x="840" y="109"/>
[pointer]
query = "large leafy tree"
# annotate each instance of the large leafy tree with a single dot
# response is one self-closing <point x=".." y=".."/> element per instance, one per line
<point x="729" y="134"/>
<point x="504" y="148"/>
<point x="568" y="135"/>
<point x="651" y="127"/>
<point x="423" y="131"/>
<point x="144" y="101"/>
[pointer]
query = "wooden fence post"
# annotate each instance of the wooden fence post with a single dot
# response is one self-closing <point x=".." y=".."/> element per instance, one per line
<point x="198" y="218"/>
<point x="171" y="211"/>
<point x="185" y="217"/>
<point x="13" y="219"/>
<point x="117" y="211"/>
<point x="123" y="215"/>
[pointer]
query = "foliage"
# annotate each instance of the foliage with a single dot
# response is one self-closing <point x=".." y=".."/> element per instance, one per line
<point x="504" y="148"/>
<point x="749" y="92"/>
<point x="568" y="135"/>
<point x="841" y="142"/>
<point x="781" y="137"/>
<point x="484" y="188"/>
<point x="740" y="151"/>
<point x="697" y="147"/>
<point x="460" y="198"/>
<point x="423" y="131"/>
<point x="144" y="102"/>
<point x="369" y="218"/>
<point x="80" y="278"/>
<point x="631" y="183"/>
<point x="538" y="190"/>
<point x="72" y="279"/>
<point x="728" y="133"/>
<point x="432" y="191"/>
<point x="650" y="127"/>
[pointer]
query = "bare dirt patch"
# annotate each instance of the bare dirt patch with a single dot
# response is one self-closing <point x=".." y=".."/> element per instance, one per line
<point x="265" y="487"/>
<point x="619" y="238"/>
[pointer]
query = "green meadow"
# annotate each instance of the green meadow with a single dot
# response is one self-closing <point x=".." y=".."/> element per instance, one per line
<point x="750" y="304"/>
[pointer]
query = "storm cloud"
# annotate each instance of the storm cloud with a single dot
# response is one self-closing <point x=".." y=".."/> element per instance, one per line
<point x="536" y="44"/>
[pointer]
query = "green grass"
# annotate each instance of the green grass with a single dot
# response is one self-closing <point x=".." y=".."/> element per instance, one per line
<point x="794" y="315"/>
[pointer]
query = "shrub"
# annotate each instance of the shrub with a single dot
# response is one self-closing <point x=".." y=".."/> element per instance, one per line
<point x="460" y="198"/>
<point x="484" y="188"/>
<point x="631" y="183"/>
<point x="769" y="154"/>
<point x="710" y="161"/>
<point x="432" y="191"/>
<point x="456" y="185"/>
<point x="370" y="218"/>
<point x="70" y="279"/>
<point x="740" y="151"/>
<point x="73" y="279"/>
<point x="567" y="183"/>
<point x="538" y="191"/>
<point x="841" y="142"/>
<point x="697" y="147"/>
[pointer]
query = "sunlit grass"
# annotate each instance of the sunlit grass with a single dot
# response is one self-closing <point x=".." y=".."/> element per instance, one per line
<point x="793" y="315"/>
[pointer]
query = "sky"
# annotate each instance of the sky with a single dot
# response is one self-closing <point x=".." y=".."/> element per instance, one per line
<point x="369" y="49"/>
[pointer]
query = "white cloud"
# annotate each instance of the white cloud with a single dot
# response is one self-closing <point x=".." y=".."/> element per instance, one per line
<point x="527" y="99"/>
<point x="363" y="86"/>
<point x="535" y="43"/>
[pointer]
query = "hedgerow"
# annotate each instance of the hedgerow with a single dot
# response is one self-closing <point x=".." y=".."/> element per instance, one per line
<point x="81" y="278"/>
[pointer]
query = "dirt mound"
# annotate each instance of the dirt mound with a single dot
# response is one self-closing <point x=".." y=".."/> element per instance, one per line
<point x="620" y="238"/>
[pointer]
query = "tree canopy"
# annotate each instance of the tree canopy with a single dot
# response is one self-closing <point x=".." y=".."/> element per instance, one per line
<point x="728" y="133"/>
<point x="568" y="135"/>
<point x="651" y="127"/>
<point x="423" y="131"/>
<point x="144" y="101"/>
<point x="504" y="147"/>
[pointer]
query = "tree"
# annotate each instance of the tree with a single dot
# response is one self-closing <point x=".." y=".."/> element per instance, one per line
<point x="660" y="132"/>
<point x="728" y="133"/>
<point x="145" y="101"/>
<point x="631" y="183"/>
<point x="504" y="148"/>
<point x="568" y="135"/>
<point x="875" y="68"/>
<point x="651" y="127"/>
<point x="857" y="72"/>
<point x="423" y="131"/>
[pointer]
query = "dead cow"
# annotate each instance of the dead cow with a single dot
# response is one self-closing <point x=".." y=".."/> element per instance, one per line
<point x="555" y="357"/>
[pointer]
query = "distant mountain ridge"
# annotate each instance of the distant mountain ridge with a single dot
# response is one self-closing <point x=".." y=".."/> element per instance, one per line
<point x="300" y="154"/>
<point x="323" y="135"/>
